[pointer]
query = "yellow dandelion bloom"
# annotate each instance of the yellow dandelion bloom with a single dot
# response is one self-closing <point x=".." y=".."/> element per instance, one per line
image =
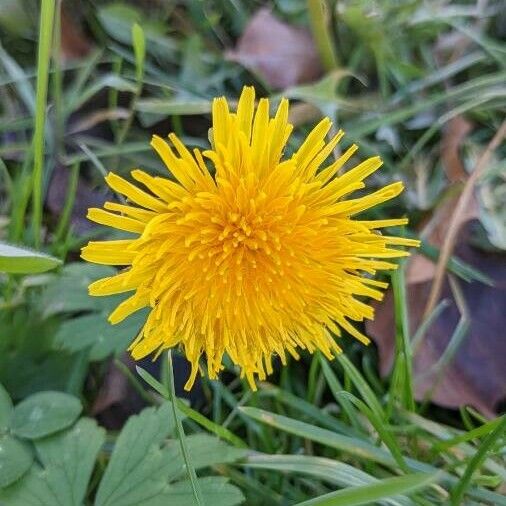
<point x="247" y="254"/>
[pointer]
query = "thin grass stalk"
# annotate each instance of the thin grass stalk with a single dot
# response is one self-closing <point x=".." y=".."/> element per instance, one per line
<point x="476" y="462"/>
<point x="64" y="222"/>
<point x="197" y="493"/>
<point x="402" y="339"/>
<point x="47" y="11"/>
<point x="57" y="82"/>
<point x="321" y="34"/>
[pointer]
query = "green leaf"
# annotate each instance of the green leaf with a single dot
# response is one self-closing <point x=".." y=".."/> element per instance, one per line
<point x="28" y="362"/>
<point x="368" y="494"/>
<point x="44" y="413"/>
<point x="205" y="451"/>
<point x="139" y="43"/>
<point x="68" y="292"/>
<point x="176" y="107"/>
<point x="351" y="445"/>
<point x="68" y="459"/>
<point x="15" y="460"/>
<point x="144" y="462"/>
<point x="197" y="417"/>
<point x="216" y="490"/>
<point x="16" y="260"/>
<point x="95" y="332"/>
<point x="117" y="20"/>
<point x="5" y="408"/>
<point x="138" y="467"/>
<point x="331" y="471"/>
<point x="476" y="461"/>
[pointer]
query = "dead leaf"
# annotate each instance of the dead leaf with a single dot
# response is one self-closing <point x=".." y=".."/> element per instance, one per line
<point x="96" y="117"/>
<point x="85" y="198"/>
<point x="476" y="376"/>
<point x="115" y="387"/>
<point x="420" y="268"/>
<point x="283" y="55"/>
<point x="74" y="43"/>
<point x="454" y="133"/>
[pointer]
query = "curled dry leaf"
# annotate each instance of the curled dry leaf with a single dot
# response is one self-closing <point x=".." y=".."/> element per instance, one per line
<point x="476" y="375"/>
<point x="74" y="43"/>
<point x="454" y="133"/>
<point x="85" y="197"/>
<point x="420" y="268"/>
<point x="283" y="55"/>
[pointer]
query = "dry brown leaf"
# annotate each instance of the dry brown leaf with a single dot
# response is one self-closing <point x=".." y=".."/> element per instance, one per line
<point x="420" y="268"/>
<point x="476" y="376"/>
<point x="283" y="55"/>
<point x="454" y="133"/>
<point x="85" y="198"/>
<point x="74" y="44"/>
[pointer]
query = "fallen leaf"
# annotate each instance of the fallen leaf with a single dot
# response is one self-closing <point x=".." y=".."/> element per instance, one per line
<point x="85" y="198"/>
<point x="420" y="268"/>
<point x="94" y="118"/>
<point x="283" y="55"/>
<point x="476" y="376"/>
<point x="73" y="44"/>
<point x="454" y="133"/>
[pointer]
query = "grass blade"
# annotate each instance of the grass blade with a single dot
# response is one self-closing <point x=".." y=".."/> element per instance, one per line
<point x="16" y="260"/>
<point x="197" y="493"/>
<point x="476" y="462"/>
<point x="47" y="11"/>
<point x="353" y="446"/>
<point x="402" y="339"/>
<point x="331" y="471"/>
<point x="220" y="431"/>
<point x="371" y="493"/>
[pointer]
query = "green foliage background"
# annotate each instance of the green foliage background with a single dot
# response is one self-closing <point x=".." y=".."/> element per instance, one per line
<point x="318" y="433"/>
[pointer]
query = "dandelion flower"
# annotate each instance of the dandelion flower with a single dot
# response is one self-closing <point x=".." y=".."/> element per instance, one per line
<point x="243" y="252"/>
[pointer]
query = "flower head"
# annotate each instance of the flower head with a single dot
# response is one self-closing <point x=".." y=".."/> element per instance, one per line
<point x="247" y="254"/>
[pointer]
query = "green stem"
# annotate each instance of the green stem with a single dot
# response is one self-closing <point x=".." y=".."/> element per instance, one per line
<point x="71" y="191"/>
<point x="44" y="55"/>
<point x="476" y="462"/>
<point x="403" y="343"/>
<point x="197" y="493"/>
<point x="136" y="384"/>
<point x="321" y="34"/>
<point x="57" y="83"/>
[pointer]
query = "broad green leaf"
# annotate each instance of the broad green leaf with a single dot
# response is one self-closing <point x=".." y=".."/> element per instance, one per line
<point x="138" y="467"/>
<point x="331" y="471"/>
<point x="118" y="18"/>
<point x="204" y="450"/>
<point x="44" y="413"/>
<point x="93" y="331"/>
<point x="216" y="490"/>
<point x="368" y="494"/>
<point x="68" y="459"/>
<point x="68" y="292"/>
<point x="16" y="260"/>
<point x="322" y="94"/>
<point x="32" y="490"/>
<point x="15" y="460"/>
<point x="5" y="408"/>
<point x="144" y="462"/>
<point x="28" y="361"/>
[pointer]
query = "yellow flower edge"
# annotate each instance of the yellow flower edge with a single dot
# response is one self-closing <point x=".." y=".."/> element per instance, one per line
<point x="244" y="252"/>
